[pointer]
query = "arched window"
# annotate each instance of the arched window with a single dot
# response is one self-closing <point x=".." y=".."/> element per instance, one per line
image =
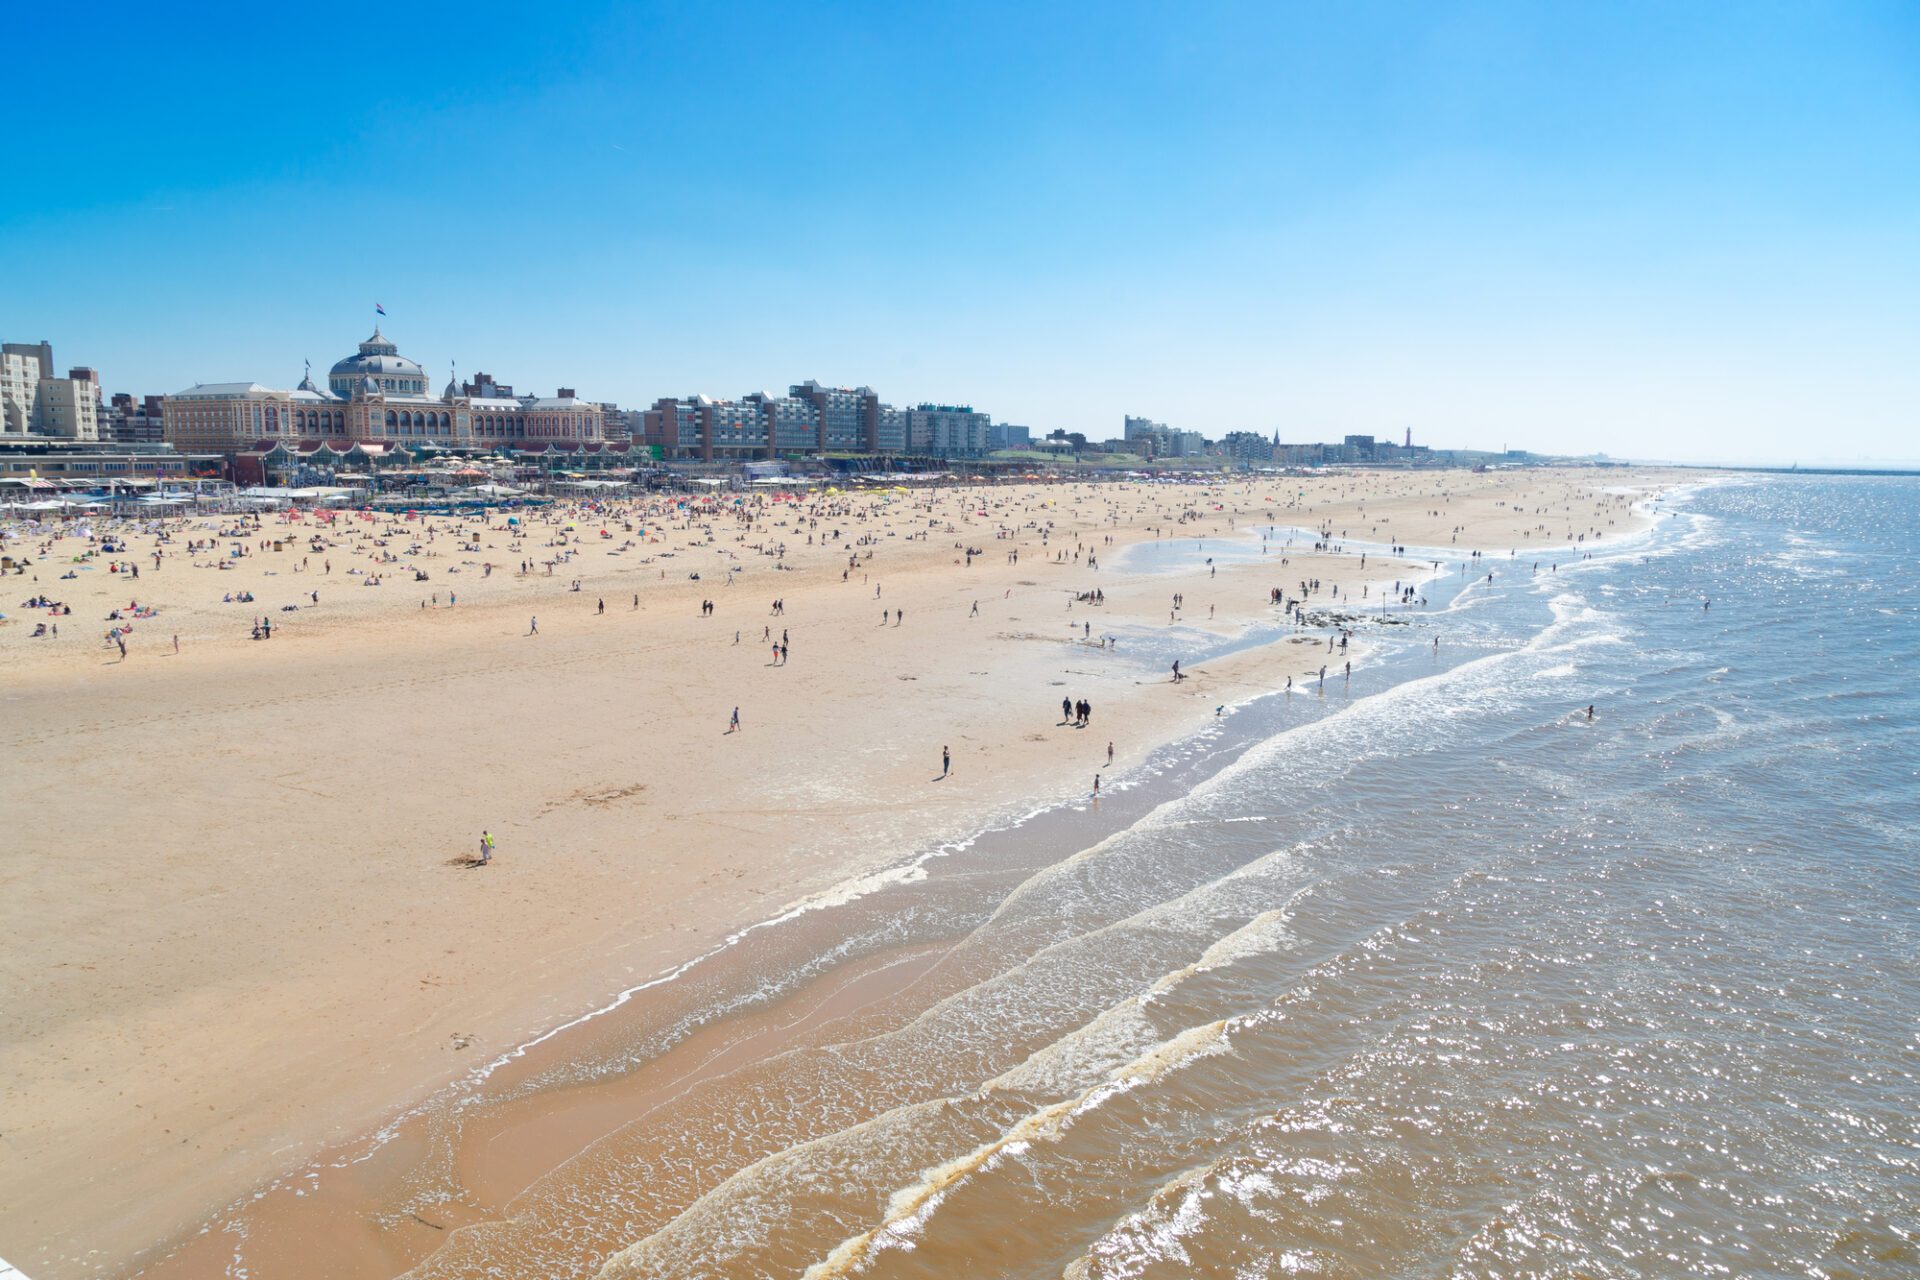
<point x="393" y="419"/>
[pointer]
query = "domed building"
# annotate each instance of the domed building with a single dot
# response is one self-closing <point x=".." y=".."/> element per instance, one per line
<point x="380" y="365"/>
<point x="377" y="402"/>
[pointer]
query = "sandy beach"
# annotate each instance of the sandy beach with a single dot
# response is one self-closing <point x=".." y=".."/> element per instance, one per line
<point x="242" y="925"/>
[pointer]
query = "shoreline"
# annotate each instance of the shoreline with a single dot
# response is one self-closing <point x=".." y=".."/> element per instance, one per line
<point x="525" y="1121"/>
<point x="547" y="1014"/>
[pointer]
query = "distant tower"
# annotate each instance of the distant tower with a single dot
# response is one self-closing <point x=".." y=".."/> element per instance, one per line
<point x="1409" y="437"/>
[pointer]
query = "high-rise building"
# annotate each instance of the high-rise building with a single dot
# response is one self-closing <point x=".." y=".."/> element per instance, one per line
<point x="70" y="406"/>
<point x="618" y="425"/>
<point x="1247" y="446"/>
<point x="848" y="417"/>
<point x="1158" y="440"/>
<point x="131" y="421"/>
<point x="34" y="402"/>
<point x="948" y="429"/>
<point x="810" y="420"/>
<point x="20" y="370"/>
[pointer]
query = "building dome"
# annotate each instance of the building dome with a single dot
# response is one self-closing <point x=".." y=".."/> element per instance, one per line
<point x="379" y="367"/>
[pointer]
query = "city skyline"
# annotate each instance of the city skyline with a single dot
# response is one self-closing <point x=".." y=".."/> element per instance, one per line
<point x="1639" y="232"/>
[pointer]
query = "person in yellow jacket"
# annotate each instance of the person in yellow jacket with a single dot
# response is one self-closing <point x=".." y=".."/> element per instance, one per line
<point x="486" y="847"/>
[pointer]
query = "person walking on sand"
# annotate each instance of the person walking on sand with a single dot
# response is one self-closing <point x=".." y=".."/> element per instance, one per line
<point x="733" y="725"/>
<point x="486" y="847"/>
<point x="176" y="644"/>
<point x="1109" y="753"/>
<point x="946" y="762"/>
<point x="533" y="625"/>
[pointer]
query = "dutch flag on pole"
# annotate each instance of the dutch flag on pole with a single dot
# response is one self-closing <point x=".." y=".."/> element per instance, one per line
<point x="377" y="307"/>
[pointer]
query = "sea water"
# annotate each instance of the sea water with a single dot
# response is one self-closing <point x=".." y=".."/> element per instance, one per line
<point x="1425" y="973"/>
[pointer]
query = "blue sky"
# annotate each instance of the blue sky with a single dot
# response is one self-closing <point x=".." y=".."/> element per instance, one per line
<point x="1677" y="230"/>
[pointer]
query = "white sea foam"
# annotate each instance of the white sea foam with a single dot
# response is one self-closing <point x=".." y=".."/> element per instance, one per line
<point x="909" y="1208"/>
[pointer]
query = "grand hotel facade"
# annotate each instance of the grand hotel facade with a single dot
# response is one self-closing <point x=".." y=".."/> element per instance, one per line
<point x="375" y="402"/>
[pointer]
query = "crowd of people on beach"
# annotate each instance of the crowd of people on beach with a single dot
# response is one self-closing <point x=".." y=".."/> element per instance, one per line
<point x="700" y="539"/>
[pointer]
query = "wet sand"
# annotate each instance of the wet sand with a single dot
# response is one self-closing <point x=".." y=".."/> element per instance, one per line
<point x="243" y="933"/>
